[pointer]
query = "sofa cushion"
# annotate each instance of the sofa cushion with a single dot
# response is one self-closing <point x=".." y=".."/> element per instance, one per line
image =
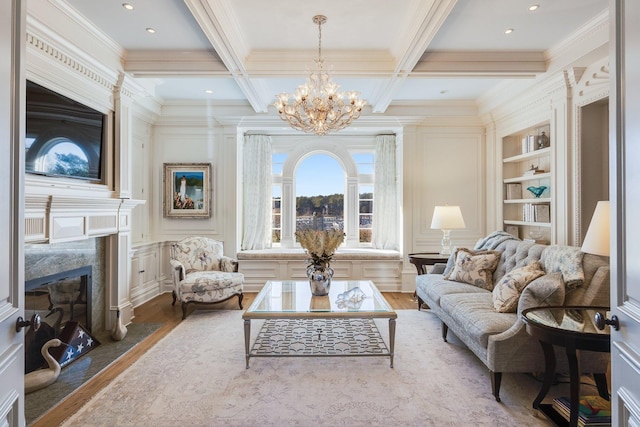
<point x="432" y="286"/>
<point x="507" y="291"/>
<point x="474" y="267"/>
<point x="567" y="260"/>
<point x="474" y="314"/>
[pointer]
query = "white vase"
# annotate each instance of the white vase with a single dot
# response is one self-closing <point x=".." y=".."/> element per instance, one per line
<point x="119" y="331"/>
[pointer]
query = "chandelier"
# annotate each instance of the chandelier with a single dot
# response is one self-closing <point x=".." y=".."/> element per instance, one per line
<point x="317" y="106"/>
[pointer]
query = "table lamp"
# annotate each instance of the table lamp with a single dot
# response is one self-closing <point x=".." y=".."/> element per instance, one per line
<point x="447" y="218"/>
<point x="596" y="241"/>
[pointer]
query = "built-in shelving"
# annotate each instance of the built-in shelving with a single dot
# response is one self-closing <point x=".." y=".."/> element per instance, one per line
<point x="526" y="163"/>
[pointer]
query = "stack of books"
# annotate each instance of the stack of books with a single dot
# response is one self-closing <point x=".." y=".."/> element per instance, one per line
<point x="594" y="410"/>
<point x="535" y="212"/>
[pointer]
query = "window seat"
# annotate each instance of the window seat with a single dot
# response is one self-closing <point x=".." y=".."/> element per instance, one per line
<point x="383" y="267"/>
<point x="299" y="254"/>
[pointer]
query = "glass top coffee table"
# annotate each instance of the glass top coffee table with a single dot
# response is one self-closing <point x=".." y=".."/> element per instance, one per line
<point x="299" y="324"/>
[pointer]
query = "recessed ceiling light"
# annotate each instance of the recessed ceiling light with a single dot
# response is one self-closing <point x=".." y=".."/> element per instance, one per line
<point x="127" y="6"/>
<point x="151" y="30"/>
<point x="508" y="31"/>
<point x="533" y="7"/>
<point x="208" y="91"/>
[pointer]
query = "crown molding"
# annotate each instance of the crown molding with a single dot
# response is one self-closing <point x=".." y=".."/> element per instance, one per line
<point x="88" y="27"/>
<point x="580" y="44"/>
<point x="168" y="63"/>
<point x="483" y="64"/>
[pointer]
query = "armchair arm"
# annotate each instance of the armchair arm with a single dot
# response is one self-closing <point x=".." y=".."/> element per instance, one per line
<point x="177" y="271"/>
<point x="228" y="264"/>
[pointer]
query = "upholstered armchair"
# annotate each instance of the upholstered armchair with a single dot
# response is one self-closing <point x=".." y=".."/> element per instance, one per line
<point x="202" y="274"/>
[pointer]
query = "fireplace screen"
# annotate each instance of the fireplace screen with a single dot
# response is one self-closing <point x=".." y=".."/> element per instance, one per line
<point x="63" y="302"/>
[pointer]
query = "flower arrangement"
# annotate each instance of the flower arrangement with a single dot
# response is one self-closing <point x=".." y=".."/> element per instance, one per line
<point x="320" y="245"/>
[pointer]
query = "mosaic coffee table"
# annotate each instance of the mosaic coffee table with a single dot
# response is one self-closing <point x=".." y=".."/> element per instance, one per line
<point x="298" y="324"/>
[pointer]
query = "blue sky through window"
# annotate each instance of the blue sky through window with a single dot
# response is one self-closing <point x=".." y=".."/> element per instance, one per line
<point x="319" y="175"/>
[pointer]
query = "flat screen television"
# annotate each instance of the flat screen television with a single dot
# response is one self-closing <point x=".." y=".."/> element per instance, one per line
<point x="63" y="137"/>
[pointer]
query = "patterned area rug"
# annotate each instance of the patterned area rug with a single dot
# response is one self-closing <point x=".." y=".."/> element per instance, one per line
<point x="196" y="376"/>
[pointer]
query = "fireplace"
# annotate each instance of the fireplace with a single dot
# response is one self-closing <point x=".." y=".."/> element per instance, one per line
<point x="64" y="296"/>
<point x="68" y="278"/>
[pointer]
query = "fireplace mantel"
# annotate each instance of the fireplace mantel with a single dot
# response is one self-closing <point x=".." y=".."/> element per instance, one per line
<point x="60" y="218"/>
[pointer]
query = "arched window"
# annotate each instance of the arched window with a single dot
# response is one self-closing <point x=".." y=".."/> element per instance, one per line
<point x="319" y="184"/>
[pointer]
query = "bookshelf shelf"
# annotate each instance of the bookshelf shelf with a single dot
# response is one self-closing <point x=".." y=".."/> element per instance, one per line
<point x="527" y="223"/>
<point x="538" y="200"/>
<point x="544" y="152"/>
<point x="545" y="175"/>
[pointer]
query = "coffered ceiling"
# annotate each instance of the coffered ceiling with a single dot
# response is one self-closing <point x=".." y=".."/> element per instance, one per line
<point x="390" y="51"/>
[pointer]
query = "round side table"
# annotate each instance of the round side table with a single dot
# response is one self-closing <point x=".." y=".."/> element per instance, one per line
<point x="573" y="328"/>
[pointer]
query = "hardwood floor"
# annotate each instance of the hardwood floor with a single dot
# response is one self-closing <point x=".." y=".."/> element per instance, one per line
<point x="160" y="310"/>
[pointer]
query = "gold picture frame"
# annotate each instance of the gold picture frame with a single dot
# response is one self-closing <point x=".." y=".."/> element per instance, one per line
<point x="187" y="190"/>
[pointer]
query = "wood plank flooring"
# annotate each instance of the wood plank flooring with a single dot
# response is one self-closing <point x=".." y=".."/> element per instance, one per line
<point x="160" y="310"/>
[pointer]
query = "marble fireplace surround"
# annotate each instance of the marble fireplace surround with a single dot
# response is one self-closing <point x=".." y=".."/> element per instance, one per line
<point x="42" y="260"/>
<point x="83" y="226"/>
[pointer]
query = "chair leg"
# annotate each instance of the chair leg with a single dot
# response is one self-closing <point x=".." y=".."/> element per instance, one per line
<point x="445" y="329"/>
<point x="173" y="294"/>
<point x="184" y="310"/>
<point x="496" y="379"/>
<point x="420" y="302"/>
<point x="240" y="297"/>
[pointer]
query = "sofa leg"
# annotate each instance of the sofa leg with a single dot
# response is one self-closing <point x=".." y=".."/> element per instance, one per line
<point x="240" y="297"/>
<point x="173" y="294"/>
<point x="496" y="378"/>
<point x="420" y="302"/>
<point x="445" y="329"/>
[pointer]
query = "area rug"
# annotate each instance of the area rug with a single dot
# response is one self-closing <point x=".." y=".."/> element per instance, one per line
<point x="196" y="376"/>
<point x="82" y="370"/>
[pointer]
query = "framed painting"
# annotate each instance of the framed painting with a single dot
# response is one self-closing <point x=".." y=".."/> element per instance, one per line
<point x="187" y="190"/>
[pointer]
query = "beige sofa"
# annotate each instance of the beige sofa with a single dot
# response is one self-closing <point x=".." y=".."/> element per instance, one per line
<point x="499" y="339"/>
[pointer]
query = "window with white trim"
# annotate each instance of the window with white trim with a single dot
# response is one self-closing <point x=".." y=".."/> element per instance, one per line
<point x="344" y="196"/>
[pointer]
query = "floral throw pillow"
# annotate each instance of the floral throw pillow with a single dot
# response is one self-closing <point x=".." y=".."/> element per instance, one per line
<point x="509" y="288"/>
<point x="474" y="267"/>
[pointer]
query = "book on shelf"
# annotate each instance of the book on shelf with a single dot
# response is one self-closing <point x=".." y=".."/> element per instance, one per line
<point x="592" y="411"/>
<point x="541" y="213"/>
<point x="528" y="144"/>
<point x="514" y="191"/>
<point x="513" y="230"/>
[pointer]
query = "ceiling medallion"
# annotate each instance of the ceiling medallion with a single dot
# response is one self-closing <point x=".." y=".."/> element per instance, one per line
<point x="317" y="106"/>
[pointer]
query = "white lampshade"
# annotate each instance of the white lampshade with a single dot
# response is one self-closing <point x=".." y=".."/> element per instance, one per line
<point x="596" y="241"/>
<point x="447" y="218"/>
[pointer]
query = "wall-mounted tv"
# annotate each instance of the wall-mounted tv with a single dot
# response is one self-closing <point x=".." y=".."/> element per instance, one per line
<point x="63" y="137"/>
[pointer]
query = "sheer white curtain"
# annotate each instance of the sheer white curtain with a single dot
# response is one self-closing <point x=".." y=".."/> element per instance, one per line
<point x="256" y="192"/>
<point x="385" y="195"/>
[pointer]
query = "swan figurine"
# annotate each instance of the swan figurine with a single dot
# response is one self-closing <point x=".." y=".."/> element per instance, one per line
<point x="43" y="377"/>
<point x="537" y="191"/>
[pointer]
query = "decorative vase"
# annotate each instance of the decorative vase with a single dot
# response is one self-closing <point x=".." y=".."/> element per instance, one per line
<point x="542" y="141"/>
<point x="119" y="331"/>
<point x="319" y="279"/>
